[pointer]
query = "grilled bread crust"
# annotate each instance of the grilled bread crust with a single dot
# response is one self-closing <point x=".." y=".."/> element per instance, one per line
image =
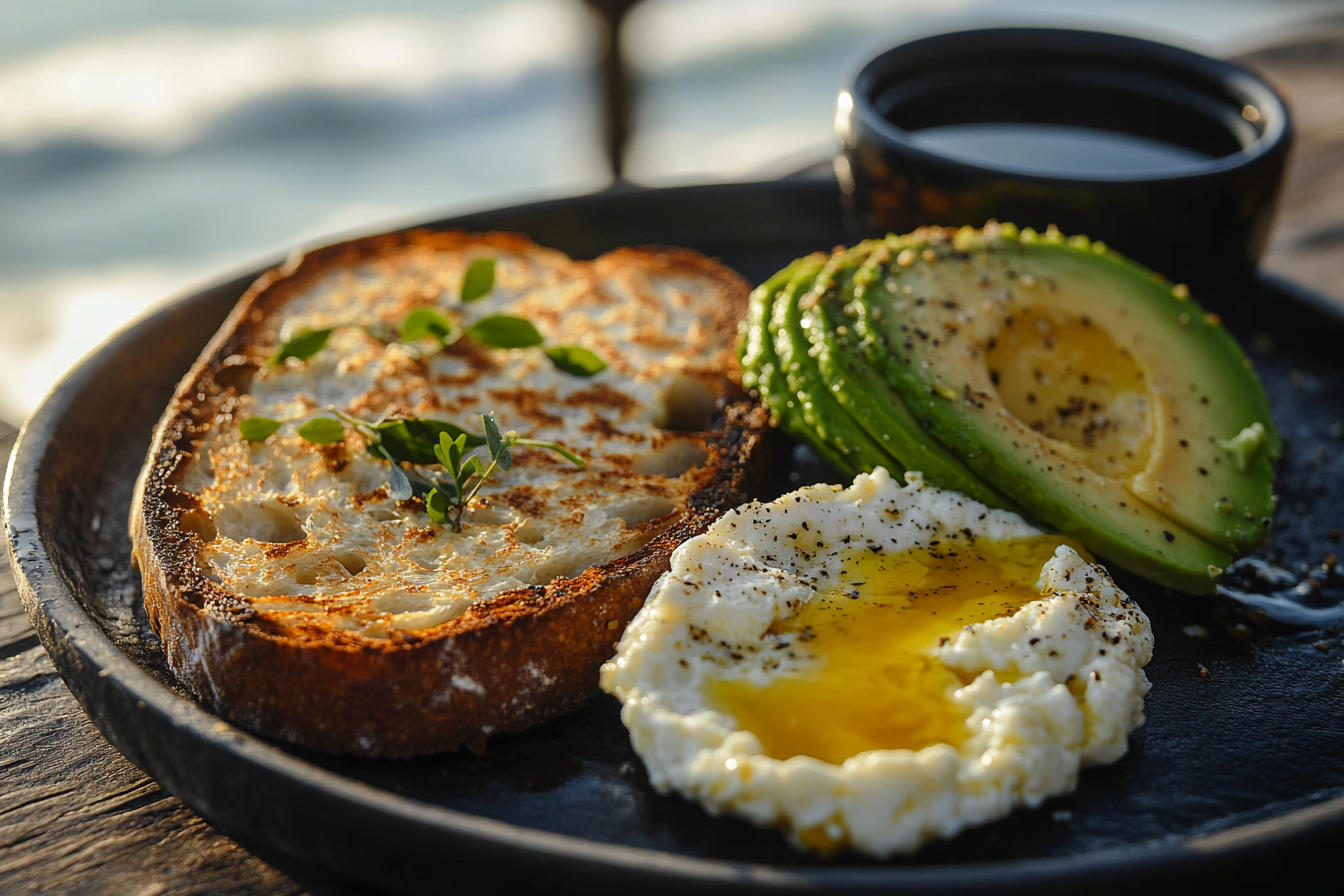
<point x="511" y="659"/>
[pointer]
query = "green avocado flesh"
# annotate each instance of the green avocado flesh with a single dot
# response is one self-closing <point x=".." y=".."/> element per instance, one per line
<point x="859" y="386"/>
<point x="820" y="412"/>
<point x="762" y="369"/>
<point x="1095" y="397"/>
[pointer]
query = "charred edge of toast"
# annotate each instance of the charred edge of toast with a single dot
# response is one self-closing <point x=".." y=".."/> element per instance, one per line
<point x="509" y="662"/>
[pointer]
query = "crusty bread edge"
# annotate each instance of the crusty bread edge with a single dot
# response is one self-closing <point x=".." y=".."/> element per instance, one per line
<point x="508" y="663"/>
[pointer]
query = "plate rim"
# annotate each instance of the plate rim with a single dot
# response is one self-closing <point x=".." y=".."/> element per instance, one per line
<point x="101" y="675"/>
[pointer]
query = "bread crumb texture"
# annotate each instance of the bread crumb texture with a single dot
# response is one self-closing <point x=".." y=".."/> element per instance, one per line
<point x="309" y="536"/>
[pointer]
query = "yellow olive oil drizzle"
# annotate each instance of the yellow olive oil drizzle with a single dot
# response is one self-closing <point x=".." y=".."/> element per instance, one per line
<point x="871" y="681"/>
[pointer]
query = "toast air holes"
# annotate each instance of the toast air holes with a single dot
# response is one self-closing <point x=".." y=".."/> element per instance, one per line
<point x="687" y="405"/>
<point x="636" y="510"/>
<point x="315" y="569"/>
<point x="307" y="575"/>
<point x="236" y="374"/>
<point x="671" y="459"/>
<point x="266" y="521"/>
<point x="354" y="563"/>
<point x="530" y="532"/>
<point x="1065" y="377"/>
<point x="199" y="523"/>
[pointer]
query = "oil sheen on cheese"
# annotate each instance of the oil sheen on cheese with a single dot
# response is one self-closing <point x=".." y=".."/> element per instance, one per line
<point x="873" y="683"/>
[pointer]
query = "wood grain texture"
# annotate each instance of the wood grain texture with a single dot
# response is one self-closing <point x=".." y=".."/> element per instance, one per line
<point x="76" y="817"/>
<point x="15" y="632"/>
<point x="1307" y="244"/>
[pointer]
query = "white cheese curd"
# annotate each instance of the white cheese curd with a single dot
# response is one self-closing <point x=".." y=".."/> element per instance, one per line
<point x="878" y="666"/>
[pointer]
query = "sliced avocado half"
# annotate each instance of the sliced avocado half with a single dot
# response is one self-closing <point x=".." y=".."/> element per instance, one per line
<point x="1091" y="393"/>
<point x="761" y="366"/>
<point x="803" y="381"/>
<point x="859" y="386"/>
<point x="1099" y="396"/>
<point x="809" y="397"/>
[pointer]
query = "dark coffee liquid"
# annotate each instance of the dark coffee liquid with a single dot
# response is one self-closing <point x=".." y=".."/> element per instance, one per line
<point x="1055" y="149"/>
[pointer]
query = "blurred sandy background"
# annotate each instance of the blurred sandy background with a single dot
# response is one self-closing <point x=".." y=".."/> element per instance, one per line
<point x="148" y="145"/>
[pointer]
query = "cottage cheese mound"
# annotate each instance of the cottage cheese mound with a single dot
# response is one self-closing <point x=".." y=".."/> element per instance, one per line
<point x="1056" y="685"/>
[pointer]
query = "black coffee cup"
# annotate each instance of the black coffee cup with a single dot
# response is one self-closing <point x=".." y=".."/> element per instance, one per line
<point x="1170" y="157"/>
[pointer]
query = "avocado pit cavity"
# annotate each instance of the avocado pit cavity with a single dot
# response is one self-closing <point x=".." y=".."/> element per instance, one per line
<point x="1064" y="376"/>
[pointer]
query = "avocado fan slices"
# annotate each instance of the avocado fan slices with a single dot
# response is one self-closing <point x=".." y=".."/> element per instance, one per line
<point x="761" y="366"/>
<point x="779" y="367"/>
<point x="821" y="410"/>
<point x="851" y="432"/>
<point x="1101" y="399"/>
<point x="860" y="388"/>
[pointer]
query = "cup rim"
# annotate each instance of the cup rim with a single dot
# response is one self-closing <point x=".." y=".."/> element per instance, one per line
<point x="856" y="99"/>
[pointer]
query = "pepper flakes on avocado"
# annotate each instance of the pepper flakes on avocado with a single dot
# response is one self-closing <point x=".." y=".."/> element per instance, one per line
<point x="1033" y="372"/>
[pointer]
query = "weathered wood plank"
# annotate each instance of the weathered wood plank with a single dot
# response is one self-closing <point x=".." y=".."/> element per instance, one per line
<point x="75" y="816"/>
<point x="1307" y="244"/>
<point x="14" y="627"/>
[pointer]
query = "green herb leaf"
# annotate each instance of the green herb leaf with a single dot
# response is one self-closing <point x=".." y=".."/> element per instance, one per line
<point x="473" y="467"/>
<point x="258" y="429"/>
<point x="479" y="279"/>
<point x="498" y="445"/>
<point x="437" y="505"/>
<point x="322" y="431"/>
<point x="398" y="485"/>
<point x="576" y="361"/>
<point x="450" y="453"/>
<point x="424" y="322"/>
<point x="413" y="439"/>
<point x="302" y="345"/>
<point x="505" y="331"/>
<point x="493" y="440"/>
<point x="553" y="446"/>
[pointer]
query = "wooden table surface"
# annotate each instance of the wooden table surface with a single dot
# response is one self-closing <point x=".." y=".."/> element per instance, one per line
<point x="76" y="817"/>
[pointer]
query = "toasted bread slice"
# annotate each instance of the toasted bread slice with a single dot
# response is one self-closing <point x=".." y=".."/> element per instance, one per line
<point x="291" y="591"/>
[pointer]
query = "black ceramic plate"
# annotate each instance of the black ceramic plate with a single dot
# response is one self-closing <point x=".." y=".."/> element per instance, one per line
<point x="1242" y="756"/>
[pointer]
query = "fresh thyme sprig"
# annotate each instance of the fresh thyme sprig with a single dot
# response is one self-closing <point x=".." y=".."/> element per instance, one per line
<point x="400" y="440"/>
<point x="493" y="331"/>
<point x="419" y="441"/>
<point x="451" y="497"/>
